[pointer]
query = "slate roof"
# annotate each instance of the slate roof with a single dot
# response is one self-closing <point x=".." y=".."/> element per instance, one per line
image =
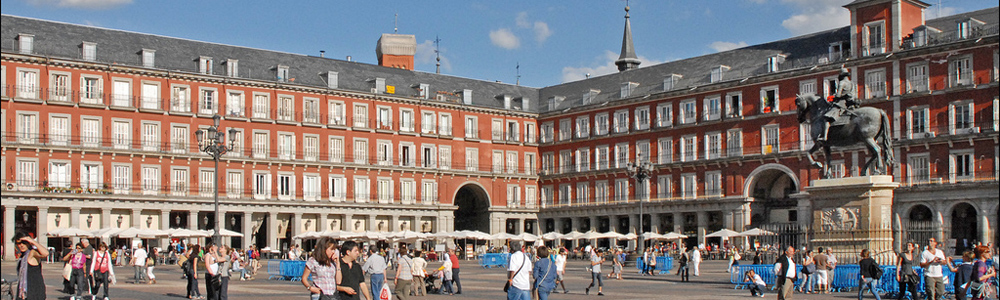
<point x="63" y="40"/>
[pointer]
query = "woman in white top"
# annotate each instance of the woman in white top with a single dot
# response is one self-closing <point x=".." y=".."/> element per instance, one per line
<point x="419" y="273"/>
<point x="212" y="280"/>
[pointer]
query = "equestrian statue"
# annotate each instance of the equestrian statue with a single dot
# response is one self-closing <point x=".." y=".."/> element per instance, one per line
<point x="838" y="121"/>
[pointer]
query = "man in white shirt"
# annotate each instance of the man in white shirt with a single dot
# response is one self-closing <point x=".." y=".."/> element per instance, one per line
<point x="139" y="263"/>
<point x="696" y="260"/>
<point x="931" y="260"/>
<point x="519" y="274"/>
<point x="784" y="269"/>
<point x="561" y="268"/>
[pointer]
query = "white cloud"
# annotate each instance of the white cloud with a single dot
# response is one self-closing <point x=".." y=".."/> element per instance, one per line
<point x="522" y="20"/>
<point x="81" y="4"/>
<point x="605" y="65"/>
<point x="721" y="46"/>
<point x="425" y="55"/>
<point x="816" y="15"/>
<point x="542" y="31"/>
<point x="503" y="38"/>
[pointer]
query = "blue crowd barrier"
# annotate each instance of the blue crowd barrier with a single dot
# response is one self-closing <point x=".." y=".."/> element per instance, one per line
<point x="663" y="264"/>
<point x="766" y="272"/>
<point x="292" y="269"/>
<point x="273" y="269"/>
<point x="489" y="260"/>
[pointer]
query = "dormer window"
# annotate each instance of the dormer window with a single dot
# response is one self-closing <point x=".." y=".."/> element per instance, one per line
<point x="836" y="51"/>
<point x="205" y="65"/>
<point x="148" y="58"/>
<point x="773" y="62"/>
<point x="628" y="88"/>
<point x="718" y="73"/>
<point x="26" y="43"/>
<point x="590" y="96"/>
<point x="332" y="79"/>
<point x="232" y="68"/>
<point x="873" y="39"/>
<point x="378" y="85"/>
<point x="671" y="82"/>
<point x="467" y="96"/>
<point x="967" y="27"/>
<point x="89" y="51"/>
<point x="423" y="90"/>
<point x="282" y="74"/>
<point x="554" y="102"/>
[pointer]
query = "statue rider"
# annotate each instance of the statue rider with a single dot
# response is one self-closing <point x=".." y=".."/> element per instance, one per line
<point x="843" y="100"/>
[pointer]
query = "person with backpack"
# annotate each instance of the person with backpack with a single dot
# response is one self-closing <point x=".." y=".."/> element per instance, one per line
<point x="190" y="269"/>
<point x="870" y="274"/>
<point x="78" y="262"/>
<point x="682" y="265"/>
<point x="101" y="270"/>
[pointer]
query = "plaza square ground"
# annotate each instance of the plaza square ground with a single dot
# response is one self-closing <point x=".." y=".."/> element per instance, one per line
<point x="477" y="283"/>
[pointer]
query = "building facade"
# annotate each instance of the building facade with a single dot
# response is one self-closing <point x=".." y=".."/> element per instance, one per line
<point x="98" y="132"/>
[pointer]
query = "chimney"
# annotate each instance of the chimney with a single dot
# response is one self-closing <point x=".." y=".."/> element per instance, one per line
<point x="396" y="50"/>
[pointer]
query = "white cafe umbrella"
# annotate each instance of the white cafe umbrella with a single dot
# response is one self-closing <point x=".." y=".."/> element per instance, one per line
<point x="552" y="236"/>
<point x="629" y="236"/>
<point x="107" y="232"/>
<point x="757" y="232"/>
<point x="70" y="232"/>
<point x="612" y="235"/>
<point x="527" y="237"/>
<point x="133" y="232"/>
<point x="572" y="235"/>
<point x="185" y="233"/>
<point x="724" y="233"/>
<point x="307" y="235"/>
<point x="672" y="236"/>
<point x="590" y="235"/>
<point x="476" y="234"/>
<point x="227" y="233"/>
<point x="503" y="236"/>
<point x="652" y="236"/>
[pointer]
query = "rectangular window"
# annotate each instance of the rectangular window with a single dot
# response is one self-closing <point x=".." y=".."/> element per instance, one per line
<point x="444" y="157"/>
<point x="603" y="157"/>
<point x="27" y="128"/>
<point x="362" y="189"/>
<point x="207" y="105"/>
<point x="513" y="196"/>
<point x="59" y="130"/>
<point x="689" y="186"/>
<point x="621" y="190"/>
<point x="875" y="83"/>
<point x="89" y="51"/>
<point x="286" y="146"/>
<point x="642" y="152"/>
<point x="428" y="192"/>
<point x="150" y="180"/>
<point x="497" y="161"/>
<point x="260" y="145"/>
<point x="261" y="186"/>
<point x="407" y="191"/>
<point x="360" y="151"/>
<point x="583" y="159"/>
<point x="90" y="132"/>
<point x="769" y="100"/>
<point x="565" y="194"/>
<point x="565" y="129"/>
<point x="336" y="113"/>
<point x="384" y="153"/>
<point x="916" y="78"/>
<point x="920" y="168"/>
<point x="664" y="188"/>
<point x="121" y="179"/>
<point x="427" y="122"/>
<point x="529" y="164"/>
<point x="960" y="71"/>
<point x="338" y="188"/>
<point x="689" y="112"/>
<point x="360" y="116"/>
<point x="713" y="183"/>
<point x="713" y="108"/>
<point x="121" y="134"/>
<point x="734" y="105"/>
<point x="310" y="148"/>
<point x="961" y="115"/>
<point x="807" y="87"/>
<point x="384" y="118"/>
<point x="60" y="87"/>
<point x="601" y="192"/>
<point x="261" y="106"/>
<point x="27" y="175"/>
<point x="713" y="145"/>
<point x="180" y="99"/>
<point x="27" y="84"/>
<point x="664" y="115"/>
<point x="121" y="93"/>
<point x="26" y="43"/>
<point x="234" y="104"/>
<point x="962" y="167"/>
<point x="471" y="127"/>
<point x="59" y="174"/>
<point x="512" y="162"/>
<point x="286" y="108"/>
<point x="621" y="155"/>
<point x="286" y="186"/>
<point x="621" y="121"/>
<point x="232" y="68"/>
<point x="238" y="141"/>
<point x="734" y="143"/>
<point x="513" y="132"/>
<point x="530" y="195"/>
<point x="918" y="118"/>
<point x="873" y="41"/>
<point x="310" y="187"/>
<point x="770" y="139"/>
<point x="91" y="91"/>
<point x="406" y="155"/>
<point x="151" y="136"/>
<point x="664" y="150"/>
<point x="642" y="118"/>
<point x="336" y="149"/>
<point x="234" y="184"/>
<point x="529" y="133"/>
<point x="471" y="159"/>
<point x="205" y="65"/>
<point x="689" y="148"/>
<point x="179" y="182"/>
<point x="150" y="96"/>
<point x="206" y="183"/>
<point x="601" y="124"/>
<point x="444" y="125"/>
<point x="428" y="156"/>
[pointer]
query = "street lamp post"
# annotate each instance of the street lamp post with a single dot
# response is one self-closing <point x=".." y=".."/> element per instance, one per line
<point x="214" y="144"/>
<point x="640" y="171"/>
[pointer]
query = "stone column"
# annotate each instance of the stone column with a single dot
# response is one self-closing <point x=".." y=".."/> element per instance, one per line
<point x="702" y="226"/>
<point x="984" y="225"/>
<point x="296" y="225"/>
<point x="678" y="222"/>
<point x="394" y="223"/>
<point x="164" y="225"/>
<point x="348" y="223"/>
<point x="136" y="216"/>
<point x="370" y="223"/>
<point x="8" y="231"/>
<point x="655" y="222"/>
<point x="557" y="222"/>
<point x="324" y="223"/>
<point x="939" y="223"/>
<point x="192" y="225"/>
<point x="247" y="229"/>
<point x="74" y="217"/>
<point x="106" y="219"/>
<point x="42" y="225"/>
<point x="272" y="230"/>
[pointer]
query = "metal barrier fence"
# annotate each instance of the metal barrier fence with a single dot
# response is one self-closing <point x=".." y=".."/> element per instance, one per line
<point x="489" y="260"/>
<point x="845" y="279"/>
<point x="663" y="264"/>
<point x="285" y="269"/>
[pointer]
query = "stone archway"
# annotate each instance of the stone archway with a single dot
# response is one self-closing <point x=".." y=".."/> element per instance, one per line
<point x="964" y="226"/>
<point x="473" y="208"/>
<point x="918" y="226"/>
<point x="771" y="187"/>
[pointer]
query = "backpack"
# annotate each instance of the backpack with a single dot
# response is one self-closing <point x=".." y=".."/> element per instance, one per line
<point x="186" y="266"/>
<point x="877" y="272"/>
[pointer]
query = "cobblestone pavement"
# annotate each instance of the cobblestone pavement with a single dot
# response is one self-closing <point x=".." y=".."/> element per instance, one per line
<point x="477" y="283"/>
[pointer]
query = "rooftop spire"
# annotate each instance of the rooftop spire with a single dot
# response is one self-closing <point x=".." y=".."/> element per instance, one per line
<point x="627" y="60"/>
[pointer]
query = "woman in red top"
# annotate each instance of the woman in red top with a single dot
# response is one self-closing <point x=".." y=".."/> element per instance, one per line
<point x="101" y="269"/>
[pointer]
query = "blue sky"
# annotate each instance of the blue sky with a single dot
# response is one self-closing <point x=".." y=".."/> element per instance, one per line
<point x="552" y="41"/>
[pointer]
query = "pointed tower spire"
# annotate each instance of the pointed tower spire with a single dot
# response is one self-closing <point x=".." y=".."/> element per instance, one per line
<point x="627" y="60"/>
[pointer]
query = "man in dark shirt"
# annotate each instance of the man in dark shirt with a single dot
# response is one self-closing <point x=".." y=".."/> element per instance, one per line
<point x="88" y="251"/>
<point x="351" y="279"/>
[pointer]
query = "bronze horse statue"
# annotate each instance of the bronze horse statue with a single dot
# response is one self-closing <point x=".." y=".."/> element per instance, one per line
<point x="867" y="125"/>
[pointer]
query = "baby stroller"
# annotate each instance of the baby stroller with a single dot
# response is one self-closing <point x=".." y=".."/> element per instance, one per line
<point x="429" y="282"/>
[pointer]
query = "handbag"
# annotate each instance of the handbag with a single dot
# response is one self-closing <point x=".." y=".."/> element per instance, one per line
<point x="506" y="286"/>
<point x="977" y="289"/>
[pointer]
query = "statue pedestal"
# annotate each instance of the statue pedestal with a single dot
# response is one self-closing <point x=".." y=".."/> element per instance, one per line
<point x="851" y="214"/>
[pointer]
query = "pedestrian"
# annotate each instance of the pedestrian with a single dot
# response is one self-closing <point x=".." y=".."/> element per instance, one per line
<point x="785" y="271"/>
<point x="446" y="283"/>
<point x="870" y="273"/>
<point x="351" y="279"/>
<point x="150" y="264"/>
<point x="322" y="264"/>
<point x="404" y="274"/>
<point x="101" y="270"/>
<point x="375" y="266"/>
<point x="963" y="274"/>
<point x="138" y="263"/>
<point x="560" y="260"/>
<point x="419" y="272"/>
<point x="88" y="251"/>
<point x="682" y="265"/>
<point x="30" y="283"/>
<point x="544" y="273"/>
<point x="808" y="269"/>
<point x="822" y="263"/>
<point x="225" y="265"/>
<point x="78" y="262"/>
<point x="212" y="280"/>
<point x="832" y="261"/>
<point x="519" y="273"/>
<point x="757" y="284"/>
<point x="595" y="268"/>
<point x="652" y="262"/>
<point x="905" y="275"/>
<point x="190" y="269"/>
<point x="981" y="273"/>
<point x="696" y="260"/>
<point x="932" y="259"/>
<point x="455" y="268"/>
